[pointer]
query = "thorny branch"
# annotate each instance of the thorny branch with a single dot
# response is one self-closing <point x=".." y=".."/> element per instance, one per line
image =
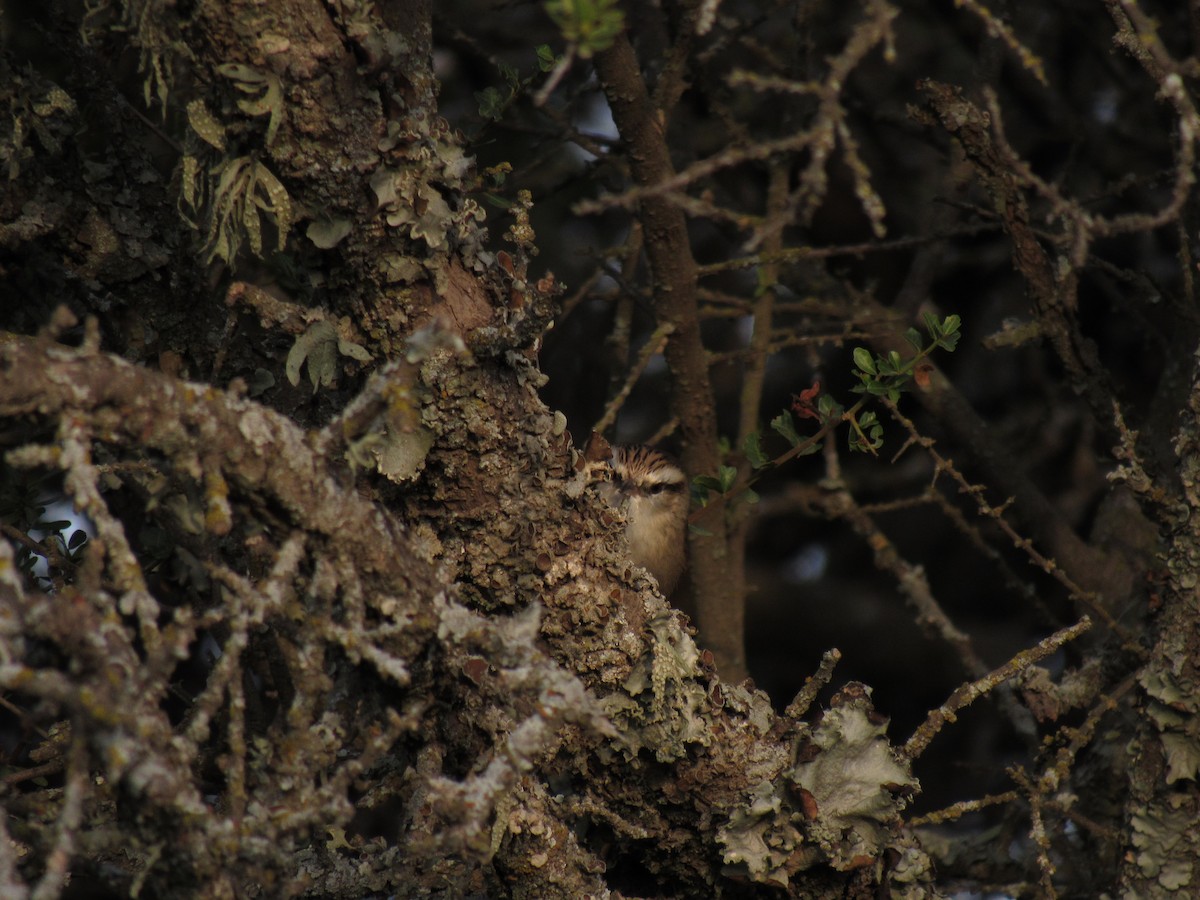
<point x="969" y="693"/>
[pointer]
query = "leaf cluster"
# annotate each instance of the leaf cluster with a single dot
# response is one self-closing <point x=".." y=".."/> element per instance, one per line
<point x="588" y="25"/>
<point x="494" y="101"/>
<point x="879" y="375"/>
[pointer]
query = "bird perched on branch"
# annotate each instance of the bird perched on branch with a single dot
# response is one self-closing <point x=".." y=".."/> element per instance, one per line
<point x="653" y="493"/>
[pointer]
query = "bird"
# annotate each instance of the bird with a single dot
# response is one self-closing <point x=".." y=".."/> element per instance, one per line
<point x="652" y="491"/>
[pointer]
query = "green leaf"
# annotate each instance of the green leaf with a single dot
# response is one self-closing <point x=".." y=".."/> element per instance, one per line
<point x="727" y="476"/>
<point x="950" y="324"/>
<point x="828" y="407"/>
<point x="491" y="103"/>
<point x="750" y="496"/>
<point x="914" y="337"/>
<point x="932" y="325"/>
<point x="752" y="447"/>
<point x="868" y="436"/>
<point x="785" y="427"/>
<point x="545" y="57"/>
<point x="510" y="75"/>
<point x="864" y="360"/>
<point x="592" y="25"/>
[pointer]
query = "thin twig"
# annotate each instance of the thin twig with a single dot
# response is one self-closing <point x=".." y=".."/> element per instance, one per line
<point x="967" y="694"/>
<point x="813" y="685"/>
<point x="656" y="343"/>
<point x="976" y="491"/>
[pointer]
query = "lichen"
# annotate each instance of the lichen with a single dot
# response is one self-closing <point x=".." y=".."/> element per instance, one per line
<point x="661" y="705"/>
<point x="319" y="347"/>
<point x="1158" y="836"/>
<point x="838" y="803"/>
<point x="229" y="200"/>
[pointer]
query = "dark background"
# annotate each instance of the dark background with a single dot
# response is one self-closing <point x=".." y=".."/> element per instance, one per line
<point x="1095" y="130"/>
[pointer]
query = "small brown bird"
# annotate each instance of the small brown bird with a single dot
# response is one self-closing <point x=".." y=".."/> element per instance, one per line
<point x="653" y="492"/>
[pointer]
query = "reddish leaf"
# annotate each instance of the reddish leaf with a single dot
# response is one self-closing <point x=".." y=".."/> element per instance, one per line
<point x="803" y="403"/>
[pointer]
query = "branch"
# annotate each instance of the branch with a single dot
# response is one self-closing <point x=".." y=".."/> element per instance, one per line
<point x="719" y="602"/>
